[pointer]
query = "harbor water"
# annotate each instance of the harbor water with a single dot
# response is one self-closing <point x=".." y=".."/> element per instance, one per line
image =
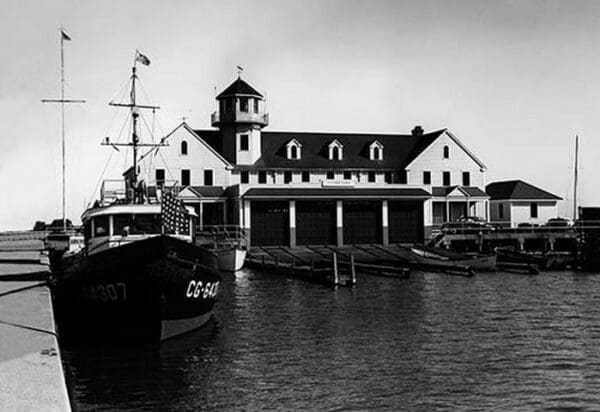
<point x="503" y="341"/>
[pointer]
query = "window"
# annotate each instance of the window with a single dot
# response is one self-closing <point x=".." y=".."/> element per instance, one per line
<point x="208" y="177"/>
<point x="136" y="224"/>
<point x="293" y="149"/>
<point x="446" y="179"/>
<point x="330" y="175"/>
<point x="500" y="211"/>
<point x="371" y="177"/>
<point x="255" y="105"/>
<point x="306" y="176"/>
<point x="294" y="152"/>
<point x="335" y="150"/>
<point x="402" y="177"/>
<point x="426" y="177"/>
<point x="101" y="226"/>
<point x="335" y="153"/>
<point x="185" y="177"/>
<point x="184" y="148"/>
<point x="347" y="175"/>
<point x="243" y="104"/>
<point x="446" y="152"/>
<point x="229" y="105"/>
<point x="466" y="179"/>
<point x="160" y="177"/>
<point x="376" y="151"/>
<point x="287" y="176"/>
<point x="262" y="176"/>
<point x="534" y="210"/>
<point x="244" y="142"/>
<point x="244" y="176"/>
<point x="388" y="177"/>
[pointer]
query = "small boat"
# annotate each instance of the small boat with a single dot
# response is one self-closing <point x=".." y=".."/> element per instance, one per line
<point x="509" y="255"/>
<point x="228" y="243"/>
<point x="139" y="275"/>
<point x="476" y="262"/>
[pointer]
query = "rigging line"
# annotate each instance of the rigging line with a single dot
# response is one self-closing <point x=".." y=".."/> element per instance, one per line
<point x="166" y="166"/>
<point x="107" y="163"/>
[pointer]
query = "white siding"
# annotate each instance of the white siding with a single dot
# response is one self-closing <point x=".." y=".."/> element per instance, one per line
<point x="199" y="158"/>
<point x="521" y="212"/>
<point x="432" y="159"/>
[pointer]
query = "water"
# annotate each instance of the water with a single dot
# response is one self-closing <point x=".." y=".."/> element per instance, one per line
<point x="434" y="341"/>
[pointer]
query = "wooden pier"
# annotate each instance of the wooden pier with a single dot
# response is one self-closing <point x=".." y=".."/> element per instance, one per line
<point x="338" y="265"/>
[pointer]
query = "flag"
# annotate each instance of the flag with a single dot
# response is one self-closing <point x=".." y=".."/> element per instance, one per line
<point x="173" y="214"/>
<point x="64" y="36"/>
<point x="142" y="59"/>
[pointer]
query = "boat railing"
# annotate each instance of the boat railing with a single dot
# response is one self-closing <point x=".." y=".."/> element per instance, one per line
<point x="223" y="235"/>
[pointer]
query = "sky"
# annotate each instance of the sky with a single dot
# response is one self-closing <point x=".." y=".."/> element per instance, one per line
<point x="516" y="81"/>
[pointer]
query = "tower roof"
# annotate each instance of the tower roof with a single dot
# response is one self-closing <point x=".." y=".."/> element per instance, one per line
<point x="239" y="86"/>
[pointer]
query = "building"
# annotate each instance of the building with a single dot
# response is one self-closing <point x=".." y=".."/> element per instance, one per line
<point x="296" y="188"/>
<point x="514" y="201"/>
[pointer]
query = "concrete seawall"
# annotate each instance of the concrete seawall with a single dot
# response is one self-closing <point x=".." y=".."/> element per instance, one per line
<point x="31" y="371"/>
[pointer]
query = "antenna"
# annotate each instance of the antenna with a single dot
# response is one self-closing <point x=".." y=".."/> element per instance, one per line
<point x="63" y="36"/>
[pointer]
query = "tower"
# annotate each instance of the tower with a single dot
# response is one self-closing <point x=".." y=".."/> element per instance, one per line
<point x="240" y="118"/>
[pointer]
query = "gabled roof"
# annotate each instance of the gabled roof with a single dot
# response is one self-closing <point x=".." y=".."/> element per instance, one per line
<point x="400" y="150"/>
<point x="468" y="191"/>
<point x="204" y="140"/>
<point x="517" y="190"/>
<point x="239" y="86"/>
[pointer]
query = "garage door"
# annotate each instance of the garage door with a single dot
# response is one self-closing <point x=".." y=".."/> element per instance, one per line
<point x="269" y="223"/>
<point x="405" y="219"/>
<point x="315" y="223"/>
<point x="362" y="222"/>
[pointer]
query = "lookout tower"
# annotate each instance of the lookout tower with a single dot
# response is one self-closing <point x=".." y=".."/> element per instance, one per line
<point x="240" y="117"/>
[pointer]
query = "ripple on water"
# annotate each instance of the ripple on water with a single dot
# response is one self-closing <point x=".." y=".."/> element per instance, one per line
<point x="431" y="342"/>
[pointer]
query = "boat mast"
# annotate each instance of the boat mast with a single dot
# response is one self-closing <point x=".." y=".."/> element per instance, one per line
<point x="62" y="101"/>
<point x="134" y="116"/>
<point x="575" y="178"/>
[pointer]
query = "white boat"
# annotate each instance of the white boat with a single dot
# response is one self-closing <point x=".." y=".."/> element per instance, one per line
<point x="228" y="243"/>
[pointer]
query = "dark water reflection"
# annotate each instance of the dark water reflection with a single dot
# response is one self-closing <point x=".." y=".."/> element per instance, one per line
<point x="433" y="341"/>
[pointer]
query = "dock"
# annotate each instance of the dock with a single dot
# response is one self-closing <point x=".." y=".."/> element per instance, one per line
<point x="31" y="371"/>
<point x="319" y="263"/>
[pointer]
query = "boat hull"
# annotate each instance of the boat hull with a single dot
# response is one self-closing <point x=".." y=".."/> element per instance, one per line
<point x="231" y="260"/>
<point x="145" y="291"/>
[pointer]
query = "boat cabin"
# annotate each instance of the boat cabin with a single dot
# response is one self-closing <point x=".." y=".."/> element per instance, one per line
<point x="114" y="225"/>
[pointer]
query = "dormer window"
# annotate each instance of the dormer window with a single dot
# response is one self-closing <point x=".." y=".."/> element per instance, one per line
<point x="184" y="148"/>
<point x="376" y="151"/>
<point x="335" y="150"/>
<point x="294" y="150"/>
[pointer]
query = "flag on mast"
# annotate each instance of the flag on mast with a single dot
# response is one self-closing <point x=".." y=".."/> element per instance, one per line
<point x="173" y="213"/>
<point x="142" y="58"/>
<point x="64" y="36"/>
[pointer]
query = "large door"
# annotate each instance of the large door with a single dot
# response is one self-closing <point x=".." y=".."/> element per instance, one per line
<point x="405" y="219"/>
<point x="269" y="223"/>
<point x="315" y="223"/>
<point x="362" y="222"/>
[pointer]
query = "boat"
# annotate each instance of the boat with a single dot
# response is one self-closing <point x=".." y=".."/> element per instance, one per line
<point x="228" y="243"/>
<point x="476" y="262"/>
<point x="139" y="275"/>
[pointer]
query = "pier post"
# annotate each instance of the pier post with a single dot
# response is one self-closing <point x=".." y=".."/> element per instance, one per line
<point x="352" y="269"/>
<point x="292" y="223"/>
<point x="335" y="269"/>
<point x="521" y="243"/>
<point x="551" y="241"/>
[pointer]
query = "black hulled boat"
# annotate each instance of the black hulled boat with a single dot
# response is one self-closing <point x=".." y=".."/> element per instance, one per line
<point x="139" y="276"/>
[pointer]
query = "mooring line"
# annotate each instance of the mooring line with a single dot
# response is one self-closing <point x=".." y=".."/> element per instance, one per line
<point x="49" y="332"/>
<point x="10" y="292"/>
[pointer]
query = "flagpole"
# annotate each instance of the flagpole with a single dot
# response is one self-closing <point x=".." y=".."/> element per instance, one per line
<point x="62" y="115"/>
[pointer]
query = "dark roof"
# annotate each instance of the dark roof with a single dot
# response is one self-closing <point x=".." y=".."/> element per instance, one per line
<point x="517" y="190"/>
<point x="470" y="191"/>
<point x="398" y="150"/>
<point x="208" y="191"/>
<point x="337" y="192"/>
<point x="239" y="87"/>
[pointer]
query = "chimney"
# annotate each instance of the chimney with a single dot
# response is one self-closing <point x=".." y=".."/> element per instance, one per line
<point x="417" y="131"/>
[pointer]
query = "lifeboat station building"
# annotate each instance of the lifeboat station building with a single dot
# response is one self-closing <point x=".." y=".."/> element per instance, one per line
<point x="304" y="188"/>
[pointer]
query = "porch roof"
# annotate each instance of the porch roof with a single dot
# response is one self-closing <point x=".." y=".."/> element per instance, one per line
<point x="467" y="191"/>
